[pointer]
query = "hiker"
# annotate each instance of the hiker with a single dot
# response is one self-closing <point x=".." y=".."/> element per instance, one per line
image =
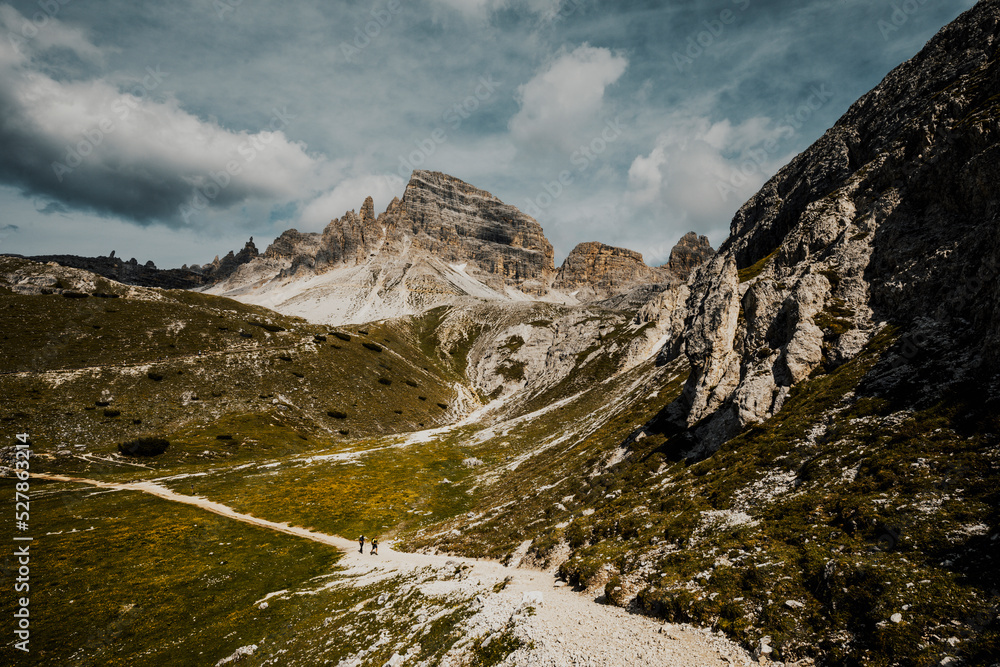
<point x="361" y="544"/>
<point x="374" y="550"/>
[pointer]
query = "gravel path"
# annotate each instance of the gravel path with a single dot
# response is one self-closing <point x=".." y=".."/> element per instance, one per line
<point x="557" y="626"/>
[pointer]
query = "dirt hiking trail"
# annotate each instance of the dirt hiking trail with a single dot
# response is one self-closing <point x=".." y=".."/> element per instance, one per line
<point x="563" y="628"/>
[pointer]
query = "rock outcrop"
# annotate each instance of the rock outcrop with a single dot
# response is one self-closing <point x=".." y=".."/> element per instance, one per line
<point x="130" y="272"/>
<point x="458" y="223"/>
<point x="596" y="271"/>
<point x="444" y="243"/>
<point x="890" y="218"/>
<point x="689" y="253"/>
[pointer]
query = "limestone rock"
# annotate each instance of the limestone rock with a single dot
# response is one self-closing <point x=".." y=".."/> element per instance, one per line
<point x="889" y="218"/>
<point x="599" y="271"/>
<point x="689" y="253"/>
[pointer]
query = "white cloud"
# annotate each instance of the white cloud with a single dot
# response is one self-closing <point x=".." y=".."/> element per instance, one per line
<point x="43" y="32"/>
<point x="134" y="152"/>
<point x="349" y="195"/>
<point x="564" y="100"/>
<point x="698" y="172"/>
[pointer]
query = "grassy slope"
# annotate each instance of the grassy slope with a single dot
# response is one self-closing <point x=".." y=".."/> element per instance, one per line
<point x="182" y="587"/>
<point x="82" y="375"/>
<point x="193" y="576"/>
<point x="858" y="509"/>
<point x="852" y="507"/>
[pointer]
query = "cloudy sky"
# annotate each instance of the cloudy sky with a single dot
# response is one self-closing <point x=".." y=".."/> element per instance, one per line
<point x="174" y="130"/>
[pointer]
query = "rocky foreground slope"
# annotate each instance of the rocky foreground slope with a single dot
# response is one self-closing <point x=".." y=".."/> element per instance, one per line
<point x="891" y="217"/>
<point x="823" y="485"/>
<point x="810" y="464"/>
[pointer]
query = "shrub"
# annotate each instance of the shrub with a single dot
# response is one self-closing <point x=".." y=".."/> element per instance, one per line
<point x="223" y="437"/>
<point x="342" y="336"/>
<point x="112" y="413"/>
<point x="75" y="295"/>
<point x="337" y="414"/>
<point x="319" y="338"/>
<point x="144" y="447"/>
<point x="344" y="431"/>
<point x="274" y="328"/>
<point x="284" y="357"/>
<point x="422" y="398"/>
<point x="614" y="592"/>
<point x="443" y="406"/>
<point x="246" y="334"/>
<point x="155" y="377"/>
<point x="374" y="347"/>
<point x="385" y="381"/>
<point x="411" y="383"/>
<point x="102" y="404"/>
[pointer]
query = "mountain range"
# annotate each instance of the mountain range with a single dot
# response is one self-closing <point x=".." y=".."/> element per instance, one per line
<point x="794" y="440"/>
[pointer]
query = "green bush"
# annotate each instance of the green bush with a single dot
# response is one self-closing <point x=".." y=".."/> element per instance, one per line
<point x="337" y="414"/>
<point x="385" y="381"/>
<point x="342" y="336"/>
<point x="374" y="347"/>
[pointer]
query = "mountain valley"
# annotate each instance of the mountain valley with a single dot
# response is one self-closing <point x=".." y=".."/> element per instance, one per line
<point x="785" y="451"/>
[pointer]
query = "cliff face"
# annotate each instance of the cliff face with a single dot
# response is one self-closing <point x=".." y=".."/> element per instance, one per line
<point x="457" y="222"/>
<point x="439" y="218"/>
<point x="890" y="218"/>
<point x="689" y="253"/>
<point x="597" y="271"/>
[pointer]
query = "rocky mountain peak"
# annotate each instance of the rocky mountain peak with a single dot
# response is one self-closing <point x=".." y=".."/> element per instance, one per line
<point x="600" y="270"/>
<point x="368" y="211"/>
<point x="458" y="223"/>
<point x="688" y="254"/>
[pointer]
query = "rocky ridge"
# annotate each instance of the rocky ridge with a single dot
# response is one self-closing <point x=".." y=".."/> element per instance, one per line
<point x="890" y="217"/>
<point x="594" y="270"/>
<point x="689" y="253"/>
<point x="444" y="243"/>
